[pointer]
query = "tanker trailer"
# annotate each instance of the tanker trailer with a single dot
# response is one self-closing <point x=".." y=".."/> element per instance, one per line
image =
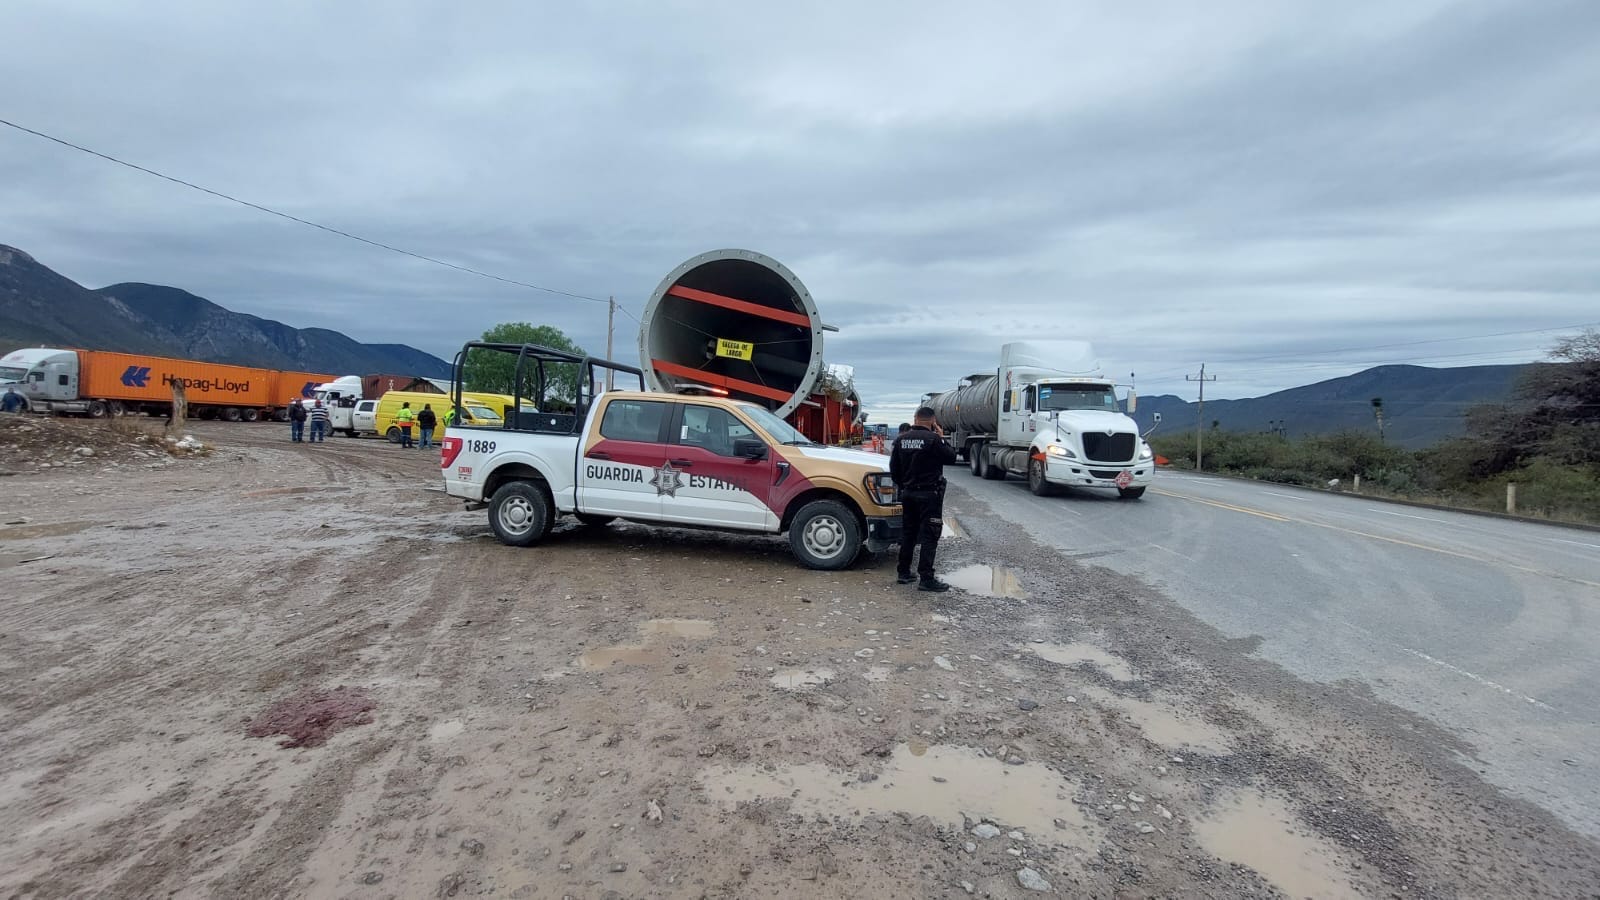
<point x="735" y="321"/>
<point x="1056" y="423"/>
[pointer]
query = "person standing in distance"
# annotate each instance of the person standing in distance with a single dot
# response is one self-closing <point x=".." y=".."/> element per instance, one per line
<point x="426" y="422"/>
<point x="404" y="419"/>
<point x="917" y="466"/>
<point x="319" y="422"/>
<point x="297" y="420"/>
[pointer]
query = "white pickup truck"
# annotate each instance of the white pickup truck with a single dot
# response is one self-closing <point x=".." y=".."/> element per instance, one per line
<point x="662" y="459"/>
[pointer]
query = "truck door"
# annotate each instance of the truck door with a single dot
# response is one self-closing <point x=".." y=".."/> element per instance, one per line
<point x="717" y="487"/>
<point x="365" y="416"/>
<point x="1013" y="420"/>
<point x="622" y="469"/>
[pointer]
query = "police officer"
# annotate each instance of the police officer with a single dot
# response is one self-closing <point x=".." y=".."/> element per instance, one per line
<point x="917" y="466"/>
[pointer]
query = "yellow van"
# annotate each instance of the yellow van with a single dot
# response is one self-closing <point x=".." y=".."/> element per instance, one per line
<point x="476" y="412"/>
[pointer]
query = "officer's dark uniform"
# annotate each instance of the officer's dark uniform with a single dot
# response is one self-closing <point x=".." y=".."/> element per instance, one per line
<point x="917" y="466"/>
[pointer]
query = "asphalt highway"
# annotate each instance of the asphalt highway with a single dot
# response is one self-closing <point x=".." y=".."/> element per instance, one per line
<point x="1488" y="627"/>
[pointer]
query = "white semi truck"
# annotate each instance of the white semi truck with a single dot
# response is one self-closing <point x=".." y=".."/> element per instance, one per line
<point x="1049" y="415"/>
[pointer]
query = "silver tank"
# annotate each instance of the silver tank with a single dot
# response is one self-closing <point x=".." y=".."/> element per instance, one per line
<point x="973" y="409"/>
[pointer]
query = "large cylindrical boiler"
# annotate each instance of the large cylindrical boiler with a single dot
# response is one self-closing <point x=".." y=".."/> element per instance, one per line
<point x="736" y="320"/>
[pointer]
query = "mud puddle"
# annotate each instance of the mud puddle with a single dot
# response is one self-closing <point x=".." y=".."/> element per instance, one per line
<point x="310" y="717"/>
<point x="801" y="679"/>
<point x="946" y="784"/>
<point x="1076" y="653"/>
<point x="646" y="652"/>
<point x="987" y="581"/>
<point x="1259" y="830"/>
<point x="1166" y="725"/>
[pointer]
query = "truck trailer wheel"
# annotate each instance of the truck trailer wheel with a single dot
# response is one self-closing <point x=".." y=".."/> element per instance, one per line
<point x="520" y="513"/>
<point x="991" y="469"/>
<point x="1130" y="493"/>
<point x="825" y="535"/>
<point x="230" y="414"/>
<point x="1036" y="480"/>
<point x="975" y="457"/>
<point x="250" y="415"/>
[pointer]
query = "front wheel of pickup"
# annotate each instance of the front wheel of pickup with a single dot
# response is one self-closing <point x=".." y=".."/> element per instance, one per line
<point x="826" y="535"/>
<point x="521" y="513"/>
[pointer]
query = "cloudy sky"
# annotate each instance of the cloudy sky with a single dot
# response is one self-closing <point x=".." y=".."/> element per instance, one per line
<point x="1284" y="190"/>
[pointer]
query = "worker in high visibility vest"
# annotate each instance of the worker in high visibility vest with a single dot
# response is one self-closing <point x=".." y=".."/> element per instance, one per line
<point x="403" y="420"/>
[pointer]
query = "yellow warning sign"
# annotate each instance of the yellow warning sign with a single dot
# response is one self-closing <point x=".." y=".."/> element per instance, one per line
<point x="735" y="349"/>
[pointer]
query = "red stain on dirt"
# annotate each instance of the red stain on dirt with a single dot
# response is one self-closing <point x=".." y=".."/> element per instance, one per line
<point x="310" y="717"/>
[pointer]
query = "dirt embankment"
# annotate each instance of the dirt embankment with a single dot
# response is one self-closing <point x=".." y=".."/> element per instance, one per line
<point x="630" y="712"/>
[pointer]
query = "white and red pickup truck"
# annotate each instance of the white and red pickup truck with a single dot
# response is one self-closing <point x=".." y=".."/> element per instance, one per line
<point x="659" y="459"/>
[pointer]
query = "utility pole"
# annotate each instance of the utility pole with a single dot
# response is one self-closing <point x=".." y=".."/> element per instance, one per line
<point x="611" y="327"/>
<point x="1200" y="417"/>
<point x="1377" y="410"/>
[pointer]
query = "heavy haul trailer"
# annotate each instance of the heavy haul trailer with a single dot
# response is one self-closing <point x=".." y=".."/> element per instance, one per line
<point x="100" y="383"/>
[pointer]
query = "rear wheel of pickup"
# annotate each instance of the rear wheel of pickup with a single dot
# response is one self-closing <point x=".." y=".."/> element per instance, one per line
<point x="826" y="535"/>
<point x="1130" y="493"/>
<point x="1036" y="480"/>
<point x="521" y="513"/>
<point x="595" y="520"/>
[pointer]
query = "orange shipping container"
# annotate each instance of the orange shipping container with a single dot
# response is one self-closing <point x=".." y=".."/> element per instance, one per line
<point x="289" y="385"/>
<point x="104" y="375"/>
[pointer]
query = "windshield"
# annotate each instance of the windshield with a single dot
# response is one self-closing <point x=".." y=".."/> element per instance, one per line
<point x="481" y="413"/>
<point x="778" y="429"/>
<point x="1077" y="396"/>
<point x="7" y="373"/>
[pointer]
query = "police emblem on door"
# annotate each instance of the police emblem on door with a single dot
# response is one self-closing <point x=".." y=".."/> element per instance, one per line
<point x="666" y="481"/>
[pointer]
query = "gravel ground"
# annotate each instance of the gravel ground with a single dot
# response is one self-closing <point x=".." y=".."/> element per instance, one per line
<point x="637" y="712"/>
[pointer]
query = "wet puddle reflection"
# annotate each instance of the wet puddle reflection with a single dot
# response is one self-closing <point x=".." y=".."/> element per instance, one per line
<point x="801" y="679"/>
<point x="941" y="782"/>
<point x="646" y="653"/>
<point x="1072" y="654"/>
<point x="1259" y="831"/>
<point x="987" y="581"/>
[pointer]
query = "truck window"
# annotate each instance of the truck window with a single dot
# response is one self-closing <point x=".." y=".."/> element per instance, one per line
<point x="711" y="428"/>
<point x="61" y="380"/>
<point x="633" y="420"/>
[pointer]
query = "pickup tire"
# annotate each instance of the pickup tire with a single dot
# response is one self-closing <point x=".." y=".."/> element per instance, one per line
<point x="520" y="513"/>
<point x="595" y="520"/>
<point x="1036" y="480"/>
<point x="825" y="534"/>
<point x="1130" y="493"/>
<point x="350" y="432"/>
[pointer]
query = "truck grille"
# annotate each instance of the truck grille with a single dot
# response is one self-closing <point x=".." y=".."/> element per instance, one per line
<point x="1105" y="473"/>
<point x="1108" y="447"/>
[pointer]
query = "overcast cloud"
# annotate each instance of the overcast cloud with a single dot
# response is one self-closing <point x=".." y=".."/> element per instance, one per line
<point x="1241" y="184"/>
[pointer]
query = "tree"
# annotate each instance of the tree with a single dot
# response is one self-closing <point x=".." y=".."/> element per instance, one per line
<point x="1554" y="412"/>
<point x="495" y="373"/>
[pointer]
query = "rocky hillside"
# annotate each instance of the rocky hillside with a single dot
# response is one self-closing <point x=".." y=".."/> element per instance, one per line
<point x="41" y="307"/>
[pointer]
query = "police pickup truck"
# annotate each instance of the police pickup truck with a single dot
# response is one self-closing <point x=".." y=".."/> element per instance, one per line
<point x="659" y="459"/>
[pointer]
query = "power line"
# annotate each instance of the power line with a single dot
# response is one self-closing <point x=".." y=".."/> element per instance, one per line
<point x="1200" y="417"/>
<point x="283" y="215"/>
<point x="1469" y="337"/>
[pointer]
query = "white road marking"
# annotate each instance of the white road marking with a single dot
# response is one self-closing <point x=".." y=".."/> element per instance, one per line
<point x="1173" y="552"/>
<point x="1479" y="679"/>
<point x="1404" y="516"/>
<point x="1289" y="497"/>
<point x="1577" y="543"/>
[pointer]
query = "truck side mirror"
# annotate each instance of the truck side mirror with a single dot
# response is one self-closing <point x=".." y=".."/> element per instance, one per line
<point x="749" y="448"/>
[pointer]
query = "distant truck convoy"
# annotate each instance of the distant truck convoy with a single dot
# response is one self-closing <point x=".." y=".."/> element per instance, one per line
<point x="99" y="383"/>
<point x="1054" y="421"/>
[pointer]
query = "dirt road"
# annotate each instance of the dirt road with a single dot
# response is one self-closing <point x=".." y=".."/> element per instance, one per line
<point x="628" y="712"/>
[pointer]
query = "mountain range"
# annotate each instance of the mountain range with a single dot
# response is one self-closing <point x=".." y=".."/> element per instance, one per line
<point x="40" y="307"/>
<point x="1421" y="405"/>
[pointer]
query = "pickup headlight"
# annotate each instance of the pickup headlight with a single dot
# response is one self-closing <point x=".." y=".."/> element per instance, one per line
<point x="1146" y="452"/>
<point x="880" y="487"/>
<point x="1061" y="451"/>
